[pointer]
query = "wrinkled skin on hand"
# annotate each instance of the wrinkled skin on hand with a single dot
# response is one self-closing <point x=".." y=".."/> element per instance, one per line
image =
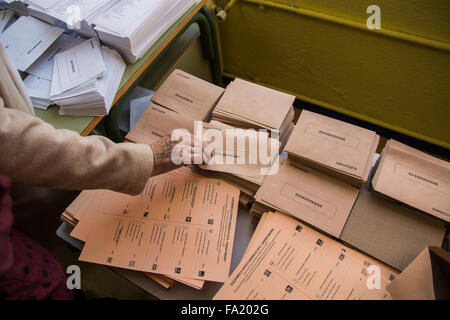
<point x="189" y="151"/>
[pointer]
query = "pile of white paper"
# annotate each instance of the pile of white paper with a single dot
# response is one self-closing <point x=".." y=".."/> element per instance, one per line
<point x="86" y="79"/>
<point x="133" y="26"/>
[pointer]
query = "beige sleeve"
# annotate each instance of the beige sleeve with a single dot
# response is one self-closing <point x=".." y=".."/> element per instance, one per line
<point x="33" y="152"/>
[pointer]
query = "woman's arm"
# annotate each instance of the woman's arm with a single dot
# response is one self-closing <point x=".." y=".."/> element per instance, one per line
<point x="33" y="152"/>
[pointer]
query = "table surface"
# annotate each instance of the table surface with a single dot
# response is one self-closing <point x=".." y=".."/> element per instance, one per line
<point x="84" y="125"/>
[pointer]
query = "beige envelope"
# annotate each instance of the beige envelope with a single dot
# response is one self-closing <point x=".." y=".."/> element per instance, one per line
<point x="389" y="231"/>
<point x="426" y="278"/>
<point x="307" y="194"/>
<point x="286" y="260"/>
<point x="256" y="104"/>
<point x="414" y="178"/>
<point x="334" y="146"/>
<point x="157" y="122"/>
<point x="188" y="95"/>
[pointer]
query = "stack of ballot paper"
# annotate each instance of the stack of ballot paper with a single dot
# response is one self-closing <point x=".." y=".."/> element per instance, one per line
<point x="335" y="147"/>
<point x="40" y="74"/>
<point x="133" y="26"/>
<point x="314" y="197"/>
<point x="6" y="18"/>
<point x="414" y="178"/>
<point x="86" y="79"/>
<point x="286" y="260"/>
<point x="27" y="39"/>
<point x="72" y="14"/>
<point x="188" y="95"/>
<point x="251" y="106"/>
<point x="181" y="226"/>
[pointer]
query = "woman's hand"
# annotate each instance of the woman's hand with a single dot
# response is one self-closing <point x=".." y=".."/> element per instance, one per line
<point x="170" y="154"/>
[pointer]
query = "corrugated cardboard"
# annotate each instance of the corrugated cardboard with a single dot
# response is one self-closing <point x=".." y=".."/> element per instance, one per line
<point x="390" y="231"/>
<point x="426" y="278"/>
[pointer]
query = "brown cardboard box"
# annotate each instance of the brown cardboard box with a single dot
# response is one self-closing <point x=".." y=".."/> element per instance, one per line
<point x="389" y="231"/>
<point x="426" y="278"/>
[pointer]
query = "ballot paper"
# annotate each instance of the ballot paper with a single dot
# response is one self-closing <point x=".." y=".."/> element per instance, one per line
<point x="286" y="260"/>
<point x="414" y="178"/>
<point x="82" y="207"/>
<point x="133" y="26"/>
<point x="27" y="39"/>
<point x="188" y="95"/>
<point x="254" y="103"/>
<point x="39" y="91"/>
<point x="78" y="65"/>
<point x="6" y="16"/>
<point x="333" y="146"/>
<point x="426" y="278"/>
<point x="95" y="97"/>
<point x="180" y="225"/>
<point x="43" y="67"/>
<point x="315" y="198"/>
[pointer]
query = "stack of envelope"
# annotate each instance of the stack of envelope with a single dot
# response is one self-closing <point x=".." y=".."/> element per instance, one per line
<point x="40" y="74"/>
<point x="335" y="147"/>
<point x="318" y="199"/>
<point x="188" y="95"/>
<point x="132" y="27"/>
<point x="251" y="106"/>
<point x="414" y="178"/>
<point x="86" y="79"/>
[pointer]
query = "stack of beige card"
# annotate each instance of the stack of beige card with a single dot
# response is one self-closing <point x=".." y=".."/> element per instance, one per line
<point x="334" y="147"/>
<point x="286" y="260"/>
<point x="414" y="178"/>
<point x="180" y="227"/>
<point x="157" y="122"/>
<point x="389" y="231"/>
<point x="188" y="95"/>
<point x="248" y="105"/>
<point x="307" y="194"/>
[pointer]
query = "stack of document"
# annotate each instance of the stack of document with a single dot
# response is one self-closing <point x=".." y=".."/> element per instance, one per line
<point x="86" y="79"/>
<point x="287" y="260"/>
<point x="334" y="147"/>
<point x="27" y="39"/>
<point x="40" y="74"/>
<point x="188" y="95"/>
<point x="181" y="226"/>
<point x="414" y="178"/>
<point x="316" y="198"/>
<point x="133" y="26"/>
<point x="248" y="105"/>
<point x="6" y="18"/>
<point x="71" y="14"/>
<point x="18" y="6"/>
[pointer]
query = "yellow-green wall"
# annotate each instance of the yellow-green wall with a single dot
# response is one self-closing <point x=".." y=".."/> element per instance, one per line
<point x="321" y="50"/>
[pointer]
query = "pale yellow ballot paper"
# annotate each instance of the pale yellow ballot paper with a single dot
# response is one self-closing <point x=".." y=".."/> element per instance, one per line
<point x="333" y="146"/>
<point x="287" y="260"/>
<point x="414" y="178"/>
<point x="315" y="198"/>
<point x="180" y="225"/>
<point x="188" y="95"/>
